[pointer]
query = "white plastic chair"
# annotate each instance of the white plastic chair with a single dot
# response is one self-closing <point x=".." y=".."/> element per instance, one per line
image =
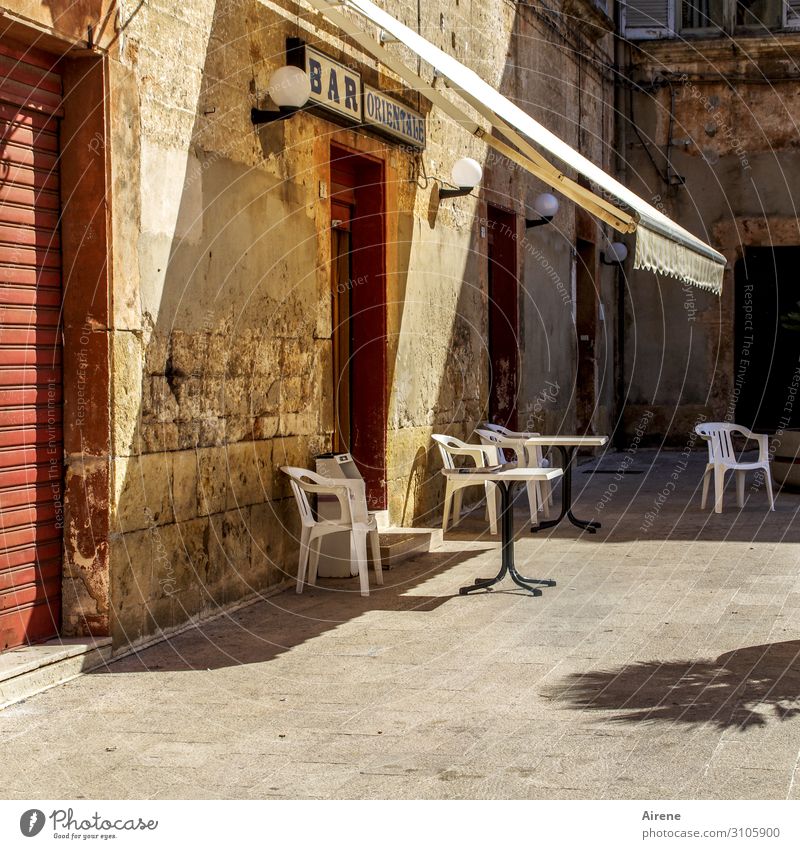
<point x="452" y="448"/>
<point x="534" y="459"/>
<point x="354" y="519"/>
<point x="722" y="458"/>
<point x="524" y="458"/>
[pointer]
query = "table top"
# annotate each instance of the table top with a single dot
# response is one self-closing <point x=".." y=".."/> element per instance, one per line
<point x="506" y="474"/>
<point x="514" y="434"/>
<point x="499" y="438"/>
<point x="574" y="441"/>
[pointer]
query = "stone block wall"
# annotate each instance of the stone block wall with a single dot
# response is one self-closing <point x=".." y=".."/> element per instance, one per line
<point x="218" y="333"/>
<point x="732" y="150"/>
<point x="222" y="363"/>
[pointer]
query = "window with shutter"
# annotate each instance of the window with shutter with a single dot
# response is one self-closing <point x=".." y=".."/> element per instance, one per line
<point x="650" y="18"/>
<point x="704" y="17"/>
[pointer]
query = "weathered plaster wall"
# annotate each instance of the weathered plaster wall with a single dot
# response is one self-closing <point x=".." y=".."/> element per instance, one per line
<point x="222" y="352"/>
<point x="548" y="66"/>
<point x="734" y="140"/>
<point x="218" y="325"/>
<point x="222" y="307"/>
<point x="217" y="354"/>
<point x="561" y="79"/>
<point x="64" y="24"/>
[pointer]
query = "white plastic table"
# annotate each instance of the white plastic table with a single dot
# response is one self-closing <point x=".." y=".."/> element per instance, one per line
<point x="505" y="478"/>
<point x="567" y="445"/>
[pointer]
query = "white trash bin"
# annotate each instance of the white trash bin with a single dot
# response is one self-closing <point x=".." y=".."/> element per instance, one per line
<point x="334" y="555"/>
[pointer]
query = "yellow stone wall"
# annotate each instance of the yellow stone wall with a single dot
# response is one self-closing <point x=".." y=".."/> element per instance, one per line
<point x="220" y="284"/>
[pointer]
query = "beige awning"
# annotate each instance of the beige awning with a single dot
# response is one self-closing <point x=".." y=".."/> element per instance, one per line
<point x="661" y="245"/>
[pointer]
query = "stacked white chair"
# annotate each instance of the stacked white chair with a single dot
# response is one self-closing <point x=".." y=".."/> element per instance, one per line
<point x="506" y="445"/>
<point x="534" y="458"/>
<point x="451" y="449"/>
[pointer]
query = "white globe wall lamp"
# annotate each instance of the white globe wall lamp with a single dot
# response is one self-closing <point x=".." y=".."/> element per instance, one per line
<point x="289" y="89"/>
<point x="546" y="207"/>
<point x="466" y="174"/>
<point x="615" y="254"/>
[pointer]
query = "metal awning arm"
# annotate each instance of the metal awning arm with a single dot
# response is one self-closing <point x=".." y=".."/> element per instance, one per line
<point x="522" y="152"/>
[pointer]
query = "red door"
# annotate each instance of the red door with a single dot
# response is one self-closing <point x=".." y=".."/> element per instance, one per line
<point x="503" y="331"/>
<point x="359" y="339"/>
<point x="31" y="454"/>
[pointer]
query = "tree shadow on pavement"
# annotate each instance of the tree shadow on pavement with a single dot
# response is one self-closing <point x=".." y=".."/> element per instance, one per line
<point x="740" y="689"/>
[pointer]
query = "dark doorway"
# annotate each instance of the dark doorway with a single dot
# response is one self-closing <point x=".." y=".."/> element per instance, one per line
<point x="586" y="330"/>
<point x="503" y="312"/>
<point x="342" y="335"/>
<point x="766" y="355"/>
<point x="358" y="287"/>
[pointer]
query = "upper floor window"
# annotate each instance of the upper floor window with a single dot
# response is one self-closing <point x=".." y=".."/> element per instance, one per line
<point x="759" y="14"/>
<point x="668" y="18"/>
<point x="702" y="14"/>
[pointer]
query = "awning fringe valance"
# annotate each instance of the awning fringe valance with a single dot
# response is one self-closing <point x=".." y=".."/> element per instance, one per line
<point x="658" y="253"/>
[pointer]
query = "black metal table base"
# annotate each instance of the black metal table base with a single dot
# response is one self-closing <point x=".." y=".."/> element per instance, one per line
<point x="507" y="552"/>
<point x="568" y="455"/>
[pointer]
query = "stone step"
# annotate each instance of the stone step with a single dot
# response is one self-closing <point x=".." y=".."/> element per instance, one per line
<point x="398" y="544"/>
<point x="28" y="670"/>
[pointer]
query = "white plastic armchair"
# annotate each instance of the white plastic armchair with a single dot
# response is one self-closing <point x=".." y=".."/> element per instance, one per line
<point x="451" y="449"/>
<point x="534" y="458"/>
<point x="352" y="520"/>
<point x="524" y="457"/>
<point x="722" y="459"/>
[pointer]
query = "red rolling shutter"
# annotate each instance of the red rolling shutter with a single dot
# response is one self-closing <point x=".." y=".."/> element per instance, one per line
<point x="31" y="453"/>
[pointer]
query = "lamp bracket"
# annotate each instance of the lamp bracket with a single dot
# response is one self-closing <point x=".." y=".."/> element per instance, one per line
<point x="267" y="116"/>
<point x="537" y="222"/>
<point x="455" y="193"/>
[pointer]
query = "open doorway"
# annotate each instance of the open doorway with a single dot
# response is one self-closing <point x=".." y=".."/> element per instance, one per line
<point x="503" y="317"/>
<point x="766" y="359"/>
<point x="358" y="302"/>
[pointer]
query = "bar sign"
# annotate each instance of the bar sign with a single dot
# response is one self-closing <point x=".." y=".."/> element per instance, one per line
<point x="393" y="117"/>
<point x="333" y="85"/>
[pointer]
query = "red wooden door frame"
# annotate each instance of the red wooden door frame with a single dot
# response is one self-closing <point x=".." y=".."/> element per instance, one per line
<point x="359" y="180"/>
<point x="503" y="317"/>
<point x="586" y="297"/>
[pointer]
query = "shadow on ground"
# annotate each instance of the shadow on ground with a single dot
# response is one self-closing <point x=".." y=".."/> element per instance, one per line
<point x="656" y="495"/>
<point x="272" y="626"/>
<point x="658" y="499"/>
<point x="740" y="689"/>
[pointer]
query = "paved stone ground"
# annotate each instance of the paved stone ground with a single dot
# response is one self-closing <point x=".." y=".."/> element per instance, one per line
<point x="663" y="665"/>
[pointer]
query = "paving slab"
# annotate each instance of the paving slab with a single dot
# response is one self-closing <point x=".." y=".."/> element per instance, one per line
<point x="664" y="664"/>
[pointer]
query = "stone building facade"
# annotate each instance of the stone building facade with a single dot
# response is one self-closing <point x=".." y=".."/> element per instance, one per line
<point x="197" y="268"/>
<point x="711" y="134"/>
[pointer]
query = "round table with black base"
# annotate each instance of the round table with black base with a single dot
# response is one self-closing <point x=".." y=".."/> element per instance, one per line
<point x="568" y="445"/>
<point x="505" y="481"/>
